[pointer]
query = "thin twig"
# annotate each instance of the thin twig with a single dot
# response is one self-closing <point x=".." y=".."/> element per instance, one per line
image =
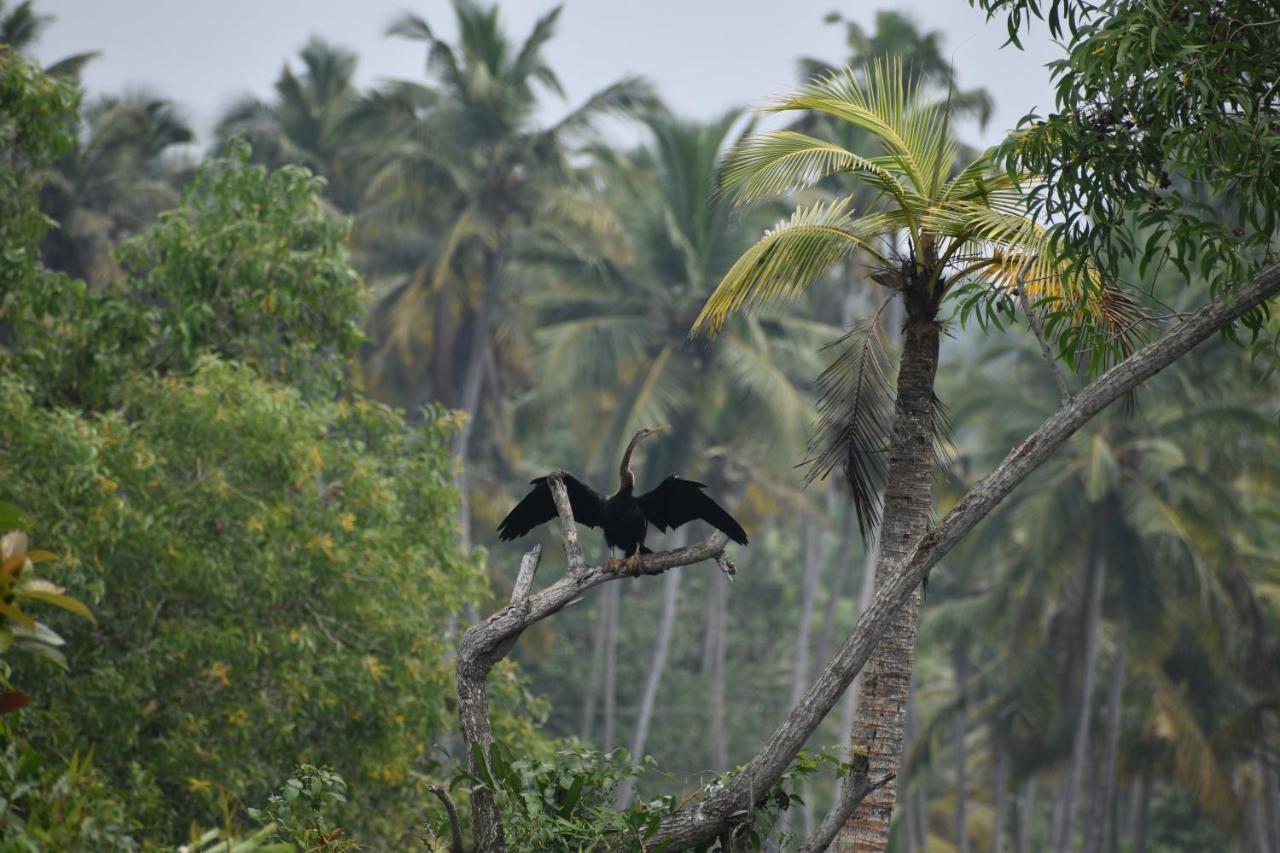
<point x="1064" y="393"/>
<point x="455" y="826"/>
<point x="524" y="580"/>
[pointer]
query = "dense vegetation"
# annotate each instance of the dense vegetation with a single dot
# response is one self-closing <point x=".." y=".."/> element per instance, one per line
<point x="265" y="404"/>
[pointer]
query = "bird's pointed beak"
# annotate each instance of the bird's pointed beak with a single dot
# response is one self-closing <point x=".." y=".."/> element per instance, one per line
<point x="654" y="430"/>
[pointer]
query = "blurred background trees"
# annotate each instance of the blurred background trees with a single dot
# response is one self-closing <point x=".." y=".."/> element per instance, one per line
<point x="229" y="388"/>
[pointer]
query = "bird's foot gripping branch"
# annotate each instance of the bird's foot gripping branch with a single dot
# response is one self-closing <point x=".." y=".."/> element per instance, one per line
<point x="488" y="642"/>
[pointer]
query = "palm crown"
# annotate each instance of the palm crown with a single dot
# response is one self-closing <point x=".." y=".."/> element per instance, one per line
<point x="957" y="224"/>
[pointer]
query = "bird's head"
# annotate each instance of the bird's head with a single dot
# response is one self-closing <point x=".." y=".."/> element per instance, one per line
<point x="624" y="470"/>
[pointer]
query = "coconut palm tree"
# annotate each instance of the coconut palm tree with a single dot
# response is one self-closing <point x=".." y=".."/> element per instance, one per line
<point x="311" y="121"/>
<point x="118" y="177"/>
<point x="1133" y="537"/>
<point x="456" y="191"/>
<point x="960" y="229"/>
<point x="21" y="28"/>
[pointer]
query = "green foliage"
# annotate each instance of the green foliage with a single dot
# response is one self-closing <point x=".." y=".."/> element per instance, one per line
<point x="35" y="129"/>
<point x="248" y="267"/>
<point x="1166" y="118"/>
<point x="297" y="813"/>
<point x="273" y="578"/>
<point x="48" y="805"/>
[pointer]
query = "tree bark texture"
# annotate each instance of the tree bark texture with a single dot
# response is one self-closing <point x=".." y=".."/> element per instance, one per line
<point x="908" y="501"/>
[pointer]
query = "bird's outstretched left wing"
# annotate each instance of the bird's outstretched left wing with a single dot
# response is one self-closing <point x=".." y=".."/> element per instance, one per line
<point x="539" y="508"/>
<point x="676" y="501"/>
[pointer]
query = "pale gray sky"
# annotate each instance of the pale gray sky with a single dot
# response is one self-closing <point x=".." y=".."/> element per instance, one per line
<point x="704" y="55"/>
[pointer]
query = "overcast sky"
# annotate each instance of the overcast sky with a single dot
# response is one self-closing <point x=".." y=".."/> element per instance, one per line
<point x="704" y="55"/>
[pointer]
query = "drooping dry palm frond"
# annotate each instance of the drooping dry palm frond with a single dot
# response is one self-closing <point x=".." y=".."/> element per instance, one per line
<point x="855" y="413"/>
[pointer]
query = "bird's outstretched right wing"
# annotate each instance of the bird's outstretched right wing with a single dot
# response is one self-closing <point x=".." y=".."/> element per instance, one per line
<point x="677" y="501"/>
<point x="538" y="507"/>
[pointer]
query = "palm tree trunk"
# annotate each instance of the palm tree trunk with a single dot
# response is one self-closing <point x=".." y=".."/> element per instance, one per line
<point x="1271" y="794"/>
<point x="1140" y="813"/>
<point x="662" y="647"/>
<point x="719" y="734"/>
<point x="472" y="385"/>
<point x="611" y="597"/>
<point x="959" y="726"/>
<point x="999" y="806"/>
<point x="1080" y="744"/>
<point x="1026" y="818"/>
<point x="812" y="574"/>
<point x="908" y="500"/>
<point x="591" y="695"/>
<point x="1100" y="810"/>
<point x="910" y="830"/>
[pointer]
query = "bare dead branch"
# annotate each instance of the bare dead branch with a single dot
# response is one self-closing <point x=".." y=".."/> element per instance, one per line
<point x="701" y="822"/>
<point x="726" y="566"/>
<point x="455" y="826"/>
<point x="524" y="580"/>
<point x="572" y="550"/>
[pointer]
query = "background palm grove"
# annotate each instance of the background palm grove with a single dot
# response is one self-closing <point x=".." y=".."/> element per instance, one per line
<point x="262" y="407"/>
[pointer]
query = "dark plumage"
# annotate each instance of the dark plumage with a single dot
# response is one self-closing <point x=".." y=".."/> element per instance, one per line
<point x="623" y="516"/>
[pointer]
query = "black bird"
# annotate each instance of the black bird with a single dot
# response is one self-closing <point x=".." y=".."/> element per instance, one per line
<point x="624" y="516"/>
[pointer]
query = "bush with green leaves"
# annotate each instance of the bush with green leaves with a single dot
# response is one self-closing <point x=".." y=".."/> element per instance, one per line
<point x="250" y="267"/>
<point x="274" y="580"/>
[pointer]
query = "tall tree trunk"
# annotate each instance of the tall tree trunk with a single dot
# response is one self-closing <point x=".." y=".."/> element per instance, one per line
<point x="1026" y="818"/>
<point x="719" y="733"/>
<point x="1100" y="810"/>
<point x="1271" y="797"/>
<point x="960" y="656"/>
<point x="1092" y="613"/>
<point x="812" y="575"/>
<point x="472" y="383"/>
<point x="1143" y="806"/>
<point x="910" y="830"/>
<point x="591" y="695"/>
<point x="611" y="600"/>
<point x="907" y="504"/>
<point x="1000" y="770"/>
<point x="662" y="647"/>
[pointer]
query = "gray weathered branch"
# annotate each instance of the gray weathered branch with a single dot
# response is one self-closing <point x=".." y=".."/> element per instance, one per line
<point x="701" y="822"/>
<point x="572" y="550"/>
<point x="854" y="790"/>
<point x="488" y="642"/>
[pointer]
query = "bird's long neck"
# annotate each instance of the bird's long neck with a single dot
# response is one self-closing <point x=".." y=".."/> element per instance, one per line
<point x="627" y="480"/>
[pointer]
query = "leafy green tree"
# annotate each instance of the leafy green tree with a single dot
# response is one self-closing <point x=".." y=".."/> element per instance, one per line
<point x="250" y="267"/>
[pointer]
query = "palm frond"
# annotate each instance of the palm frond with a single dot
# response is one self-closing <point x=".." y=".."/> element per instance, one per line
<point x="855" y="414"/>
<point x="768" y="164"/>
<point x="791" y="256"/>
